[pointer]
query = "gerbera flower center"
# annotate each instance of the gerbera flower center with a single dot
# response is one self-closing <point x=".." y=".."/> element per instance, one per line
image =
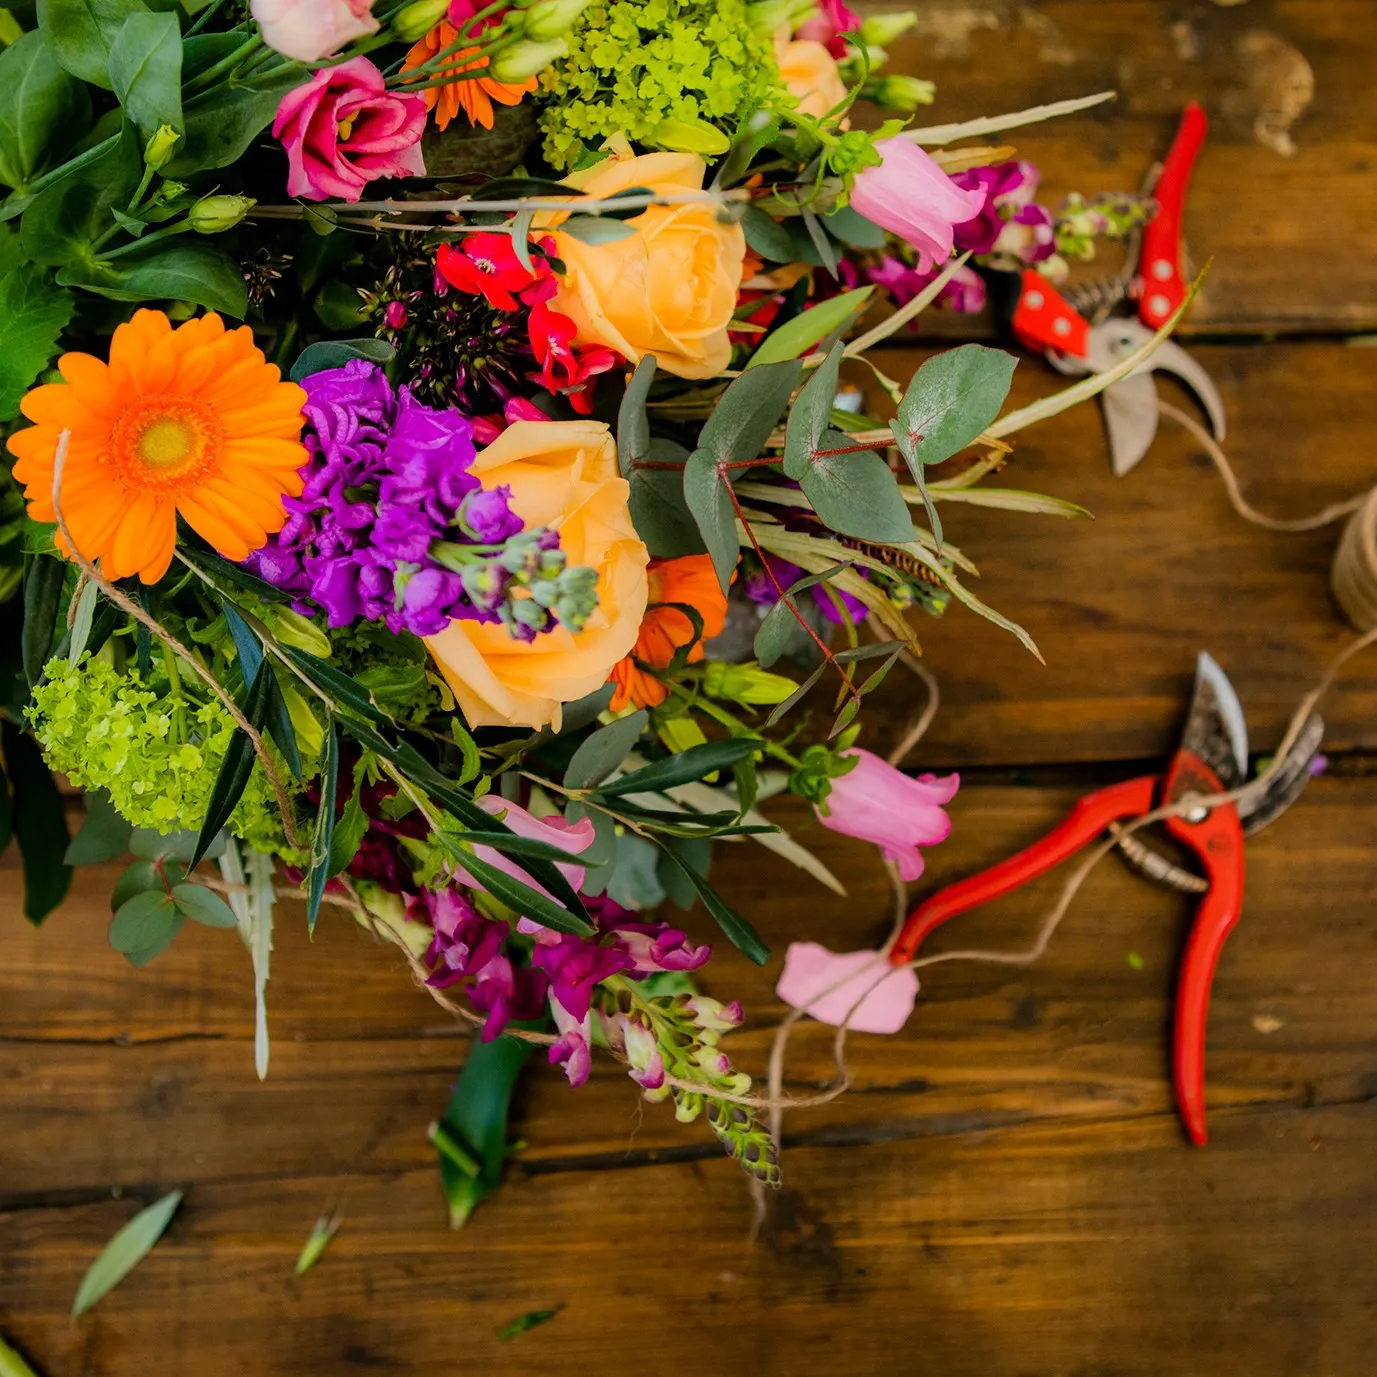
<point x="165" y="442"/>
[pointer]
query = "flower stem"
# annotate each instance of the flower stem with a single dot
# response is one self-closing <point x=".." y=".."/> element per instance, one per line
<point x="203" y="81"/>
<point x="180" y="228"/>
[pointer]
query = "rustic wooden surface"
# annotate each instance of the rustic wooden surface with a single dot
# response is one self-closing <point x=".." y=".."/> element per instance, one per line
<point x="1006" y="1190"/>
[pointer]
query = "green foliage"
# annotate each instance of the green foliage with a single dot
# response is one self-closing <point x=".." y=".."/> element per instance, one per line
<point x="124" y="1252"/>
<point x="146" y="70"/>
<point x="155" y="751"/>
<point x="196" y="272"/>
<point x="33" y="313"/>
<point x="637" y="65"/>
<point x="82" y="32"/>
<point x="604" y="751"/>
<point x="811" y="327"/>
<point x="37" y="819"/>
<point x="42" y="110"/>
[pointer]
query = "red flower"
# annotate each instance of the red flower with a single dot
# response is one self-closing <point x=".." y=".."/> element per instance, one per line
<point x="487" y="266"/>
<point x="563" y="367"/>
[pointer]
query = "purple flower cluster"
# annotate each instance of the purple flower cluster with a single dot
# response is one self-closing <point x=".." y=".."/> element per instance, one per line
<point x="388" y="480"/>
<point x="1010" y="223"/>
<point x="760" y="588"/>
<point x="563" y="969"/>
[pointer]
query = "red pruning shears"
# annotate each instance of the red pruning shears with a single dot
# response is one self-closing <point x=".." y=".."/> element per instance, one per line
<point x="1044" y="319"/>
<point x="1212" y="759"/>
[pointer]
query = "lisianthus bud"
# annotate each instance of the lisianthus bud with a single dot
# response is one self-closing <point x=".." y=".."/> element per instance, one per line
<point x="215" y="214"/>
<point x="159" y="147"/>
<point x="879" y="29"/>
<point x="526" y="59"/>
<point x="417" y="19"/>
<point x="681" y="734"/>
<point x="690" y="136"/>
<point x="548" y="19"/>
<point x="747" y="684"/>
<point x="903" y="94"/>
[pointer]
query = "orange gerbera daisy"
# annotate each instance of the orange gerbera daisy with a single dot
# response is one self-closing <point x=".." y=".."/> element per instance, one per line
<point x="474" y="95"/>
<point x="690" y="580"/>
<point x="192" y="421"/>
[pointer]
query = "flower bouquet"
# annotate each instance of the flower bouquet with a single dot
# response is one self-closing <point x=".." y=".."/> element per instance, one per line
<point x="435" y="489"/>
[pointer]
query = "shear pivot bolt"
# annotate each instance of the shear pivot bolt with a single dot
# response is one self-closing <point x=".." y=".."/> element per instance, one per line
<point x="1159" y="305"/>
<point x="1197" y="814"/>
<point x="1061" y="327"/>
<point x="1036" y="301"/>
<point x="1161" y="270"/>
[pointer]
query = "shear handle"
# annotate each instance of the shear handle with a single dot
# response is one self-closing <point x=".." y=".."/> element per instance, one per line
<point x="1218" y="841"/>
<point x="1081" y="826"/>
<point x="1164" y="284"/>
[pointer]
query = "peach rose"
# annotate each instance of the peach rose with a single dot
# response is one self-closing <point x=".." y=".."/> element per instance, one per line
<point x="561" y="474"/>
<point x="810" y="75"/>
<point x="669" y="289"/>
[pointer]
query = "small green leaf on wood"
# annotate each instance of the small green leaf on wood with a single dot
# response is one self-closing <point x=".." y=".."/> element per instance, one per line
<point x="524" y="1323"/>
<point x="327" y="1226"/>
<point x="144" y="921"/>
<point x="124" y="1252"/>
<point x="952" y="398"/>
<point x="746" y="413"/>
<point x="856" y="494"/>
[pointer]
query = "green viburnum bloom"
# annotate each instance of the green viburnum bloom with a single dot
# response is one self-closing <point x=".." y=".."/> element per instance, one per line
<point x="155" y="754"/>
<point x="641" y="66"/>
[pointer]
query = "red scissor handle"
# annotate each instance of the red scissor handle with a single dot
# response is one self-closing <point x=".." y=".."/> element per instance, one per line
<point x="1044" y="319"/>
<point x="1082" y="825"/>
<point x="1218" y="841"/>
<point x="1164" y="284"/>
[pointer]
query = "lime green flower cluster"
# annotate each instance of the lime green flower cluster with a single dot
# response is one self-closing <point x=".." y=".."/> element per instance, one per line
<point x="645" y="68"/>
<point x="154" y="752"/>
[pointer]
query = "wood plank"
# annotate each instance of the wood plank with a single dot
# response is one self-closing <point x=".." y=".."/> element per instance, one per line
<point x="1120" y="606"/>
<point x="1293" y="239"/>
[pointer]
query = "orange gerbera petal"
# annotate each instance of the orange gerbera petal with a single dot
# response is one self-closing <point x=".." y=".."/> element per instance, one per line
<point x="191" y="420"/>
<point x="689" y="581"/>
<point x="472" y="95"/>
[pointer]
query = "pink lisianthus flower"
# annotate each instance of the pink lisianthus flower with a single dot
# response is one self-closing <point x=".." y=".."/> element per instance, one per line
<point x="308" y="30"/>
<point x="877" y="803"/>
<point x="555" y="831"/>
<point x="344" y="128"/>
<point x="909" y="195"/>
<point x="833" y="20"/>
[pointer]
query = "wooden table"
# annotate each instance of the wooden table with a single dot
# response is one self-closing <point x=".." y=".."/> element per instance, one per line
<point x="1006" y="1192"/>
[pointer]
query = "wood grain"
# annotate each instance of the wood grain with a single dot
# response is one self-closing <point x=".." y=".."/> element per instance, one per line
<point x="1293" y="239"/>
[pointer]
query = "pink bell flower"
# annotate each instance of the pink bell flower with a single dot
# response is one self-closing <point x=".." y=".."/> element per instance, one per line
<point x="877" y="803"/>
<point x="344" y="128"/>
<point x="858" y="988"/>
<point x="909" y="195"/>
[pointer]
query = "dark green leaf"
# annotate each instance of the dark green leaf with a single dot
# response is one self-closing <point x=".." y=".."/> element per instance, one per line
<point x="222" y="572"/>
<point x="81" y="32"/>
<point x="124" y="1252"/>
<point x="810" y="413"/>
<point x="692" y="764"/>
<point x="799" y="335"/>
<point x="139" y="959"/>
<point x="176" y="271"/>
<point x="767" y="236"/>
<point x="146" y="70"/>
<point x="143" y="921"/>
<point x="633" y="426"/>
<point x="658" y="511"/>
<point x="323" y="837"/>
<point x="477" y="1118"/>
<point x="339" y="686"/>
<point x="65" y="218"/>
<point x="104" y="835"/>
<point x="853" y="229"/>
<point x="760" y="129"/>
<point x="43" y="580"/>
<point x="526" y="847"/>
<point x="747" y="411"/>
<point x="42" y="109"/>
<point x="522" y="899"/>
<point x="6" y="811"/>
<point x="224" y="120"/>
<point x="237" y="765"/>
<point x="597" y="229"/>
<point x="739" y="932"/>
<point x="349" y="830"/>
<point x="818" y="237"/>
<point x="708" y="498"/>
<point x="203" y="906"/>
<point x="856" y="494"/>
<point x="39" y="822"/>
<point x="604" y="751"/>
<point x="777" y="630"/>
<point x="140" y="876"/>
<point x="335" y="353"/>
<point x="249" y="649"/>
<point x="796" y="697"/>
<point x="522" y="1323"/>
<point x="696" y="853"/>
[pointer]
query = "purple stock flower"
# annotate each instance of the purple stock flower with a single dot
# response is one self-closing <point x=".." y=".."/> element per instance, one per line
<point x="573" y="1048"/>
<point x="1009" y="222"/>
<point x="658" y="947"/>
<point x="487" y="515"/>
<point x="760" y="588"/>
<point x="574" y="966"/>
<point x="964" y="291"/>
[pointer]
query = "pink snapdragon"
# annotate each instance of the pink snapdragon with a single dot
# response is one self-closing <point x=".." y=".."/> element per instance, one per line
<point x="909" y="195"/>
<point x="877" y="803"/>
<point x="344" y="129"/>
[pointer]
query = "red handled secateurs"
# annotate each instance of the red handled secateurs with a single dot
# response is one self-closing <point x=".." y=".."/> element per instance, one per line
<point x="1212" y="759"/>
<point x="1045" y="320"/>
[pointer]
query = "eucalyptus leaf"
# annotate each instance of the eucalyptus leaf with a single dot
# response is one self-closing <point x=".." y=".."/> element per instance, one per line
<point x="766" y="236"/>
<point x="633" y="426"/>
<point x="597" y="229"/>
<point x="124" y="1252"/>
<point x="149" y="845"/>
<point x="137" y="878"/>
<point x="796" y="697"/>
<point x="634" y="883"/>
<point x="821" y="243"/>
<point x="746" y="413"/>
<point x="143" y="955"/>
<point x="604" y="751"/>
<point x="853" y="229"/>
<point x="810" y="414"/>
<point x="146" y="70"/>
<point x="856" y="494"/>
<point x="951" y="399"/>
<point x="709" y="499"/>
<point x="776" y="631"/>
<point x="103" y="836"/>
<point x="658" y="510"/>
<point x="799" y="335"/>
<point x="203" y="906"/>
<point x="143" y="921"/>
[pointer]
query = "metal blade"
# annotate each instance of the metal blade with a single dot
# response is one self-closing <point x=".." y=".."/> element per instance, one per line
<point x="1287" y="784"/>
<point x="1171" y="358"/>
<point x="1216" y="731"/>
<point x="1130" y="419"/>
